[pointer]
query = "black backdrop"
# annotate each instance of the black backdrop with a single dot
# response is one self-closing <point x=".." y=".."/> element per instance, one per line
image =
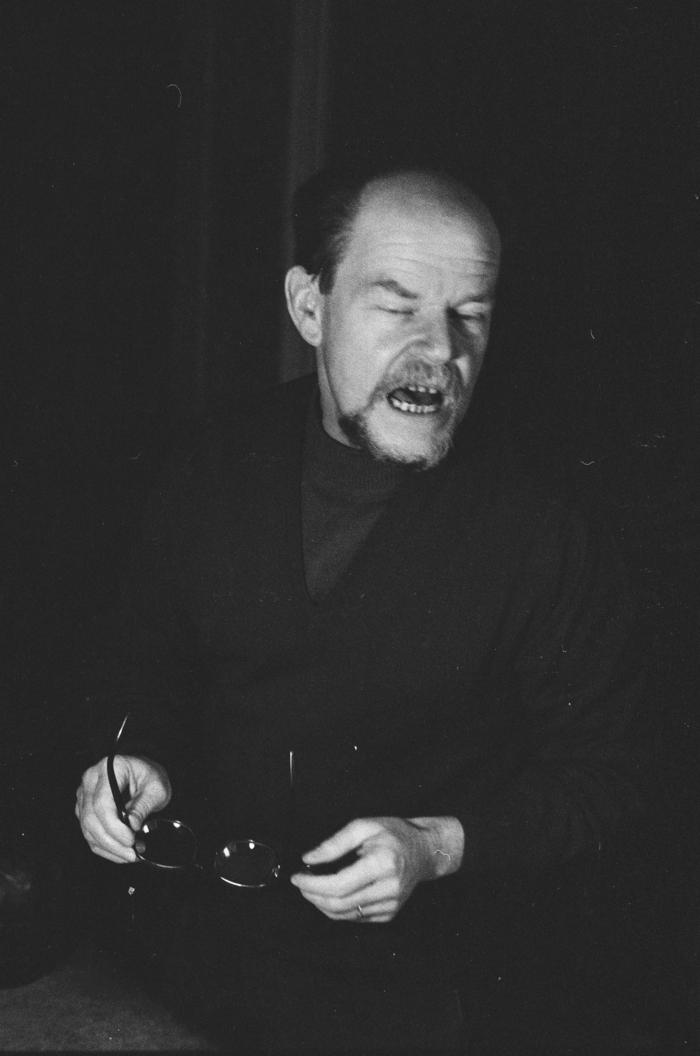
<point x="146" y="159"/>
<point x="147" y="155"/>
<point x="587" y="111"/>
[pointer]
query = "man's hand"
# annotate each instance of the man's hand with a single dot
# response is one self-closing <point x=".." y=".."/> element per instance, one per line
<point x="148" y="790"/>
<point x="394" y="855"/>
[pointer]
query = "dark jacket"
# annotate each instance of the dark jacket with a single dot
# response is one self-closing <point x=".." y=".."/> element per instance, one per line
<point x="474" y="660"/>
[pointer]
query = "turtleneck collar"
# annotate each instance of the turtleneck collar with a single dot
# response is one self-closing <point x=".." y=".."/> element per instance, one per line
<point x="344" y="472"/>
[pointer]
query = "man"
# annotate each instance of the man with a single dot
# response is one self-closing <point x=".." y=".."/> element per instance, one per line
<point x="364" y="630"/>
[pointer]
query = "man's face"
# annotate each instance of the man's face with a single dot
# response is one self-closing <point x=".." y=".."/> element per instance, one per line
<point x="405" y="326"/>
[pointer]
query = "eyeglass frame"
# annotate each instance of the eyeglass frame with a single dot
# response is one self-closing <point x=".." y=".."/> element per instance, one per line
<point x="274" y="871"/>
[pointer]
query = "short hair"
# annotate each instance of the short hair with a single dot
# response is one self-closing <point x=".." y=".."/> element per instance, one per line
<point x="325" y="206"/>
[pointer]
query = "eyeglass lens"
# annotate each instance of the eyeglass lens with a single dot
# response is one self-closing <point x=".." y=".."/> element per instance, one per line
<point x="166" y="843"/>
<point x="247" y="863"/>
<point x="170" y="844"/>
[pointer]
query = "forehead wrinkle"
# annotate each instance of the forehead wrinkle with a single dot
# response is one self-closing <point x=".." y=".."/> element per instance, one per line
<point x="429" y="246"/>
<point x="413" y="271"/>
<point x="430" y="260"/>
<point x="416" y="252"/>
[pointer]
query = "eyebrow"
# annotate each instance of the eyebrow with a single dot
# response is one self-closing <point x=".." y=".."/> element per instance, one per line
<point x="392" y="286"/>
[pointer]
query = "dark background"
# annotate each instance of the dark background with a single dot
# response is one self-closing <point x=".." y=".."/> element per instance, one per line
<point x="148" y="154"/>
<point x="148" y="159"/>
<point x="150" y="149"/>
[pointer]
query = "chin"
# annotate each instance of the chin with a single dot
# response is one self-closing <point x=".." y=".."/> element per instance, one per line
<point x="420" y="448"/>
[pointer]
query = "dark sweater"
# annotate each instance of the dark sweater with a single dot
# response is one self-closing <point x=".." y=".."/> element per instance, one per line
<point x="344" y="491"/>
<point x="473" y="659"/>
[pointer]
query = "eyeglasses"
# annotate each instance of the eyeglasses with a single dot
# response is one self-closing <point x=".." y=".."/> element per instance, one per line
<point x="168" y="843"/>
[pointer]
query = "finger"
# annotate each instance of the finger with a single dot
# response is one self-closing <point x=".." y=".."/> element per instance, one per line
<point x="101" y="826"/>
<point x="349" y="838"/>
<point x="367" y="895"/>
<point x="106" y="848"/>
<point x="100" y="819"/>
<point x="374" y="909"/>
<point x="110" y="823"/>
<point x="97" y="836"/>
<point x="383" y="916"/>
<point x="90" y="813"/>
<point x="377" y="861"/>
<point x="118" y="859"/>
<point x="345" y="883"/>
<point x="377" y="913"/>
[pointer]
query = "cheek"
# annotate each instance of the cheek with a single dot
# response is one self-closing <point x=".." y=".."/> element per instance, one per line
<point x="357" y="361"/>
<point x="472" y="355"/>
<point x="349" y="378"/>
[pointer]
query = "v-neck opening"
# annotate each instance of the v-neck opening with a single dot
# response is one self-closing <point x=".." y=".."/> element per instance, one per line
<point x="371" y="560"/>
<point x="344" y="493"/>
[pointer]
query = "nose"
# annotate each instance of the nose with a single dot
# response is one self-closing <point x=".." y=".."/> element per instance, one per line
<point x="440" y="339"/>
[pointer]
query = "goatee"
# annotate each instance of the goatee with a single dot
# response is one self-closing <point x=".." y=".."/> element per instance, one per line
<point x="356" y="430"/>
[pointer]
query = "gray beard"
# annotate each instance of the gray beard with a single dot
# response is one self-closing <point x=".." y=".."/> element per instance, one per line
<point x="354" y="427"/>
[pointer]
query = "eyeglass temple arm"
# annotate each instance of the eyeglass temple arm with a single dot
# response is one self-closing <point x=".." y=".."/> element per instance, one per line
<point x="293" y="800"/>
<point x="116" y="791"/>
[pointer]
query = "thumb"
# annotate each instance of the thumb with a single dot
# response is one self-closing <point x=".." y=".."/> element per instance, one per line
<point x="135" y="821"/>
<point x="349" y="838"/>
<point x="151" y="794"/>
<point x="144" y="804"/>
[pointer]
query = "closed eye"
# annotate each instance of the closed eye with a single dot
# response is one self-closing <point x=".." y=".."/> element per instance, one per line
<point x="475" y="318"/>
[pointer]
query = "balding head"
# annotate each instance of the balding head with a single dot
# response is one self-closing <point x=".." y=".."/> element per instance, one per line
<point x="326" y="207"/>
<point x="417" y="189"/>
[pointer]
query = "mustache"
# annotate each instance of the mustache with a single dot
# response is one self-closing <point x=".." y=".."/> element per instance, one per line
<point x="444" y="377"/>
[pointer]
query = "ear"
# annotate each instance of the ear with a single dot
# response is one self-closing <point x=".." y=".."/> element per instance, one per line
<point x="304" y="302"/>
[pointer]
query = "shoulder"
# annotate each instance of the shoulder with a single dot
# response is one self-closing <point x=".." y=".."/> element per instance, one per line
<point x="210" y="456"/>
<point x="525" y="480"/>
<point x="261" y="426"/>
<point x="525" y="501"/>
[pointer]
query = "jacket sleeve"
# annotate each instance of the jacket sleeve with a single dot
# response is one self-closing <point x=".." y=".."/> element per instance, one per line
<point x="575" y="769"/>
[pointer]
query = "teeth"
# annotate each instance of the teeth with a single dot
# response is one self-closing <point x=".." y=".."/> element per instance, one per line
<point x="412" y="408"/>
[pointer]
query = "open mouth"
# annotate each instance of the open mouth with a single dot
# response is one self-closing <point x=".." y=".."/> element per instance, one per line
<point x="416" y="399"/>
